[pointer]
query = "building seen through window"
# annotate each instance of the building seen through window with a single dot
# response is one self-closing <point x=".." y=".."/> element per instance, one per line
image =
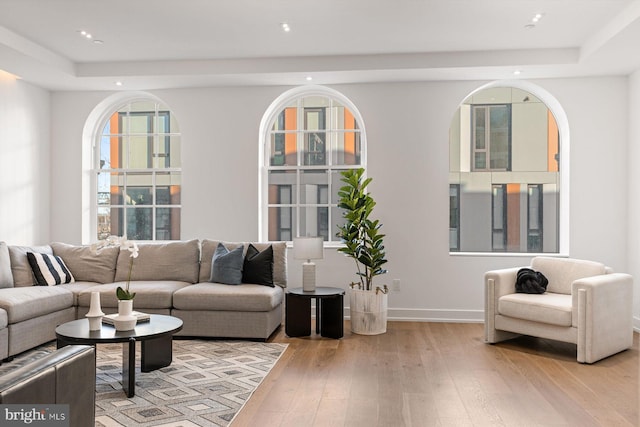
<point x="504" y="179"/>
<point x="311" y="140"/>
<point x="139" y="173"/>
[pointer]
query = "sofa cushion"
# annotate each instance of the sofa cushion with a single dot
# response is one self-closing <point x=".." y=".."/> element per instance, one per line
<point x="28" y="302"/>
<point x="77" y="287"/>
<point x="258" y="266"/>
<point x="173" y="261"/>
<point x="149" y="294"/>
<point x="279" y="258"/>
<point x="549" y="307"/>
<point x="49" y="270"/>
<point x="20" y="268"/>
<point x="219" y="297"/>
<point x="87" y="265"/>
<point x="227" y="265"/>
<point x="561" y="272"/>
<point x="6" y="278"/>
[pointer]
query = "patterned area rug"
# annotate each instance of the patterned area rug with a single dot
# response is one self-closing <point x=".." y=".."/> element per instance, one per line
<point x="206" y="385"/>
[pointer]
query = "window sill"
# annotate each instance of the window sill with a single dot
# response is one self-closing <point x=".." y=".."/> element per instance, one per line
<point x="509" y="254"/>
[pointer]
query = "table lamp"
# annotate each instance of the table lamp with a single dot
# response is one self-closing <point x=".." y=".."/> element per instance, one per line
<point x="308" y="248"/>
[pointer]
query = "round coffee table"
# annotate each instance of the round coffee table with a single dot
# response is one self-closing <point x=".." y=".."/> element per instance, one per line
<point x="155" y="336"/>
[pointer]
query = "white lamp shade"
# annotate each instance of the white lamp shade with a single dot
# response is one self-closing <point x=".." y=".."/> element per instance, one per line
<point x="308" y="248"/>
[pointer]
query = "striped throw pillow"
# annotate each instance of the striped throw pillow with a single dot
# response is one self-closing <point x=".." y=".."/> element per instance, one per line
<point x="48" y="269"/>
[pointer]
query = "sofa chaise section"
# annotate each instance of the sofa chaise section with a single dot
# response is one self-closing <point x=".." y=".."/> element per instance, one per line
<point x="232" y="311"/>
<point x="229" y="311"/>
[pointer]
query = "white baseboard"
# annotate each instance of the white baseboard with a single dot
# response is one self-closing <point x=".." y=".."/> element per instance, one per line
<point x="427" y="315"/>
<point x="437" y="315"/>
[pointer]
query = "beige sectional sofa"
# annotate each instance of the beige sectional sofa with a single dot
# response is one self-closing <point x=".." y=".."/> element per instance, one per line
<point x="168" y="278"/>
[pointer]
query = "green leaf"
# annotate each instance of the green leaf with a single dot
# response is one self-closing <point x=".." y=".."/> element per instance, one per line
<point x="122" y="294"/>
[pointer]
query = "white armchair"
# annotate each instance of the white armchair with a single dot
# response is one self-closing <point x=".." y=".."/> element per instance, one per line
<point x="585" y="304"/>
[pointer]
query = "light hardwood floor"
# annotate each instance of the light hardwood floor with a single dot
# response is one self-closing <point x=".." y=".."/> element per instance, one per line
<point x="442" y="374"/>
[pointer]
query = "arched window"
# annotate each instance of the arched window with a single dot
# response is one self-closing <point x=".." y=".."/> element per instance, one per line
<point x="507" y="161"/>
<point x="308" y="136"/>
<point x="137" y="170"/>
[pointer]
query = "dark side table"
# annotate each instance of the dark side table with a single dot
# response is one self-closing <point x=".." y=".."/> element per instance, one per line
<point x="329" y="312"/>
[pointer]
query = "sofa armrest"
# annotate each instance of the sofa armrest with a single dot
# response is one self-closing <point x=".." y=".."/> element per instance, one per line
<point x="496" y="284"/>
<point x="603" y="313"/>
<point x="65" y="376"/>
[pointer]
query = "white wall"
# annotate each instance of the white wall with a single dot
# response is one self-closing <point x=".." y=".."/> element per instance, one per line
<point x="407" y="127"/>
<point x="633" y="177"/>
<point x="24" y="162"/>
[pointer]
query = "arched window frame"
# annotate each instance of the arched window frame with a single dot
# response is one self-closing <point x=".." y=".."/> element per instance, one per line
<point x="266" y="125"/>
<point x="91" y="137"/>
<point x="562" y="122"/>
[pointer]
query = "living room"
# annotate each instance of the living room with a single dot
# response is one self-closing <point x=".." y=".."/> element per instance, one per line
<point x="406" y="91"/>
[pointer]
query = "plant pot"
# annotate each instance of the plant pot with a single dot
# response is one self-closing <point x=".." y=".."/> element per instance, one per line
<point x="125" y="320"/>
<point x="368" y="312"/>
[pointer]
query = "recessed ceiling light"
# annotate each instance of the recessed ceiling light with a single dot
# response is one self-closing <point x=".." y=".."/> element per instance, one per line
<point x="517" y="72"/>
<point x="285" y="27"/>
<point x="118" y="83"/>
<point x="309" y="78"/>
<point x="87" y="35"/>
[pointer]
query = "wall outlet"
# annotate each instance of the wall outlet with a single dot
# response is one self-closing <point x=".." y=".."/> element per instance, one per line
<point x="395" y="285"/>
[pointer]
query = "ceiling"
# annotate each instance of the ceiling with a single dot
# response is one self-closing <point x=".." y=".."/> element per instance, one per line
<point x="153" y="44"/>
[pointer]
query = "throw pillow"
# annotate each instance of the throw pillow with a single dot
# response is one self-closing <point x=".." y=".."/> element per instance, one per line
<point x="49" y="269"/>
<point x="227" y="265"/>
<point x="529" y="281"/>
<point x="258" y="266"/>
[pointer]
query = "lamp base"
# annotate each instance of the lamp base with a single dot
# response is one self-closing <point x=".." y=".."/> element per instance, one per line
<point x="308" y="277"/>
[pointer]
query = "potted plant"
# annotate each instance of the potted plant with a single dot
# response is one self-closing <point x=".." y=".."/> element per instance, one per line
<point x="364" y="243"/>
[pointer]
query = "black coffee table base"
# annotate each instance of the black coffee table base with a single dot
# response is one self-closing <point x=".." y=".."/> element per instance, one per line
<point x="329" y="312"/>
<point x="156" y="344"/>
<point x="155" y="354"/>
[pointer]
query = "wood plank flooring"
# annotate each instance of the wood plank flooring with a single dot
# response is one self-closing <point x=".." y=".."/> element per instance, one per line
<point x="442" y="374"/>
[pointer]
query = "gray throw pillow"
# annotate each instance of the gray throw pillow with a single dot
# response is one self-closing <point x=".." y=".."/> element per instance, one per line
<point x="227" y="265"/>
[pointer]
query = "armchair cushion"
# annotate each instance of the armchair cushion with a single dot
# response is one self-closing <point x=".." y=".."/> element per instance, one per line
<point x="551" y="308"/>
<point x="562" y="272"/>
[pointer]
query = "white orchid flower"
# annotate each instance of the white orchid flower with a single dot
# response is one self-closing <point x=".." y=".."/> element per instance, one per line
<point x="133" y="248"/>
